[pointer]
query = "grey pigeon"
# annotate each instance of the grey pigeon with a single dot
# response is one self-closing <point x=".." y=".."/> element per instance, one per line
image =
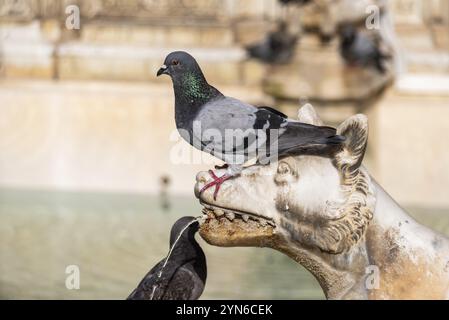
<point x="232" y="130"/>
<point x="277" y="47"/>
<point x="358" y="49"/>
<point x="183" y="277"/>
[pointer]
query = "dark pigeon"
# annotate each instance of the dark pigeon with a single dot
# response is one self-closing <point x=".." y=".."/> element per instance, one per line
<point x="204" y="117"/>
<point x="184" y="275"/>
<point x="358" y="49"/>
<point x="277" y="47"/>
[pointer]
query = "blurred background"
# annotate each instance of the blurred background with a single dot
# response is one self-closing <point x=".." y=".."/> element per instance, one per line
<point x="90" y="167"/>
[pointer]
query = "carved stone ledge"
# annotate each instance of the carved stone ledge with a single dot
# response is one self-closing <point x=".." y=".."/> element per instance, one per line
<point x="26" y="10"/>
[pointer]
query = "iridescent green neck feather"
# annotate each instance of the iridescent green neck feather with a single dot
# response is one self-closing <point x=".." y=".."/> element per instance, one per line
<point x="192" y="90"/>
<point x="195" y="86"/>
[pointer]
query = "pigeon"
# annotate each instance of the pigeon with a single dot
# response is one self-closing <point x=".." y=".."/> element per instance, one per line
<point x="277" y="47"/>
<point x="232" y="130"/>
<point x="358" y="49"/>
<point x="180" y="276"/>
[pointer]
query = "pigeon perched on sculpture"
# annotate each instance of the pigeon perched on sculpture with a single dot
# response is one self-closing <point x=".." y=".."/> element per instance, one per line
<point x="232" y="130"/>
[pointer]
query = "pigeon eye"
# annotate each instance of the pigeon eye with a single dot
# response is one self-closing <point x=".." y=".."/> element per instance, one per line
<point x="175" y="62"/>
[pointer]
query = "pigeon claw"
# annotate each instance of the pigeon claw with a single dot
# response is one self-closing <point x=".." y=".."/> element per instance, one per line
<point x="217" y="182"/>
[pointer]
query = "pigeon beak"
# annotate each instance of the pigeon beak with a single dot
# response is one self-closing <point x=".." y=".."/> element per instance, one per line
<point x="163" y="70"/>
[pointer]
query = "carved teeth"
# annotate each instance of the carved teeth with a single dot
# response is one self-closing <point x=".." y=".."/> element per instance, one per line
<point x="230" y="215"/>
<point x="208" y="206"/>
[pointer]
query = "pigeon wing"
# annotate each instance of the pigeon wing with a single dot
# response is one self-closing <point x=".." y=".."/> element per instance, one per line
<point x="262" y="130"/>
<point x="222" y="120"/>
<point x="246" y="123"/>
<point x="184" y="285"/>
<point x="144" y="290"/>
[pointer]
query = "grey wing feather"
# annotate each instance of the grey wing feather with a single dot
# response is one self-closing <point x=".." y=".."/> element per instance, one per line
<point x="225" y="114"/>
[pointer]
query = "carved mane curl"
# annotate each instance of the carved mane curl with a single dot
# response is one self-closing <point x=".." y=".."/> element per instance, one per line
<point x="339" y="235"/>
<point x="356" y="212"/>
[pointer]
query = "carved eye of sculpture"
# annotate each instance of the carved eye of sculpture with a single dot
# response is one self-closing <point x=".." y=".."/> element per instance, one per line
<point x="175" y="62"/>
<point x="283" y="168"/>
<point x="285" y="173"/>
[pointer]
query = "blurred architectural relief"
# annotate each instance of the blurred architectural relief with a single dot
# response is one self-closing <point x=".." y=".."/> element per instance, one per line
<point x="317" y="71"/>
<point x="97" y="116"/>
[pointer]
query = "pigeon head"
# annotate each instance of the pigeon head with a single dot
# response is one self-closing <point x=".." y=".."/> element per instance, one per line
<point x="190" y="86"/>
<point x="185" y="228"/>
<point x="179" y="63"/>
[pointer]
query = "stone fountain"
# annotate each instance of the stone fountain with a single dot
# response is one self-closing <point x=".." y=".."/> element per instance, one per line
<point x="317" y="72"/>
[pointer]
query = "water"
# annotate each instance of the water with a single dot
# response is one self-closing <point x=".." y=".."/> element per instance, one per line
<point x="116" y="238"/>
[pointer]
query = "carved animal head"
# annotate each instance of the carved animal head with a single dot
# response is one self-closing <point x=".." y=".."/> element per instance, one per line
<point x="322" y="202"/>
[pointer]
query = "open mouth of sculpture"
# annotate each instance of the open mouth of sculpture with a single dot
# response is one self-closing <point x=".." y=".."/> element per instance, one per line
<point x="218" y="213"/>
<point x="231" y="227"/>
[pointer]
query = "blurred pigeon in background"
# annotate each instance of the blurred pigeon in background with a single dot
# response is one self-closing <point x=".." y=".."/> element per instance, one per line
<point x="183" y="275"/>
<point x="276" y="47"/>
<point x="205" y="117"/>
<point x="358" y="49"/>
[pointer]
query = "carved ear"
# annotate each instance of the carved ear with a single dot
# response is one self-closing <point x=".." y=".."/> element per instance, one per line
<point x="307" y="114"/>
<point x="355" y="129"/>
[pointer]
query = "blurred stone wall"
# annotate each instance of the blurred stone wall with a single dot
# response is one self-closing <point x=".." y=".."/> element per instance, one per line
<point x="122" y="40"/>
<point x="98" y="128"/>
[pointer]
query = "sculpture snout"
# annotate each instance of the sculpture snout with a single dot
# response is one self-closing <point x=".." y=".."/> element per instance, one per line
<point x="204" y="179"/>
<point x="201" y="179"/>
